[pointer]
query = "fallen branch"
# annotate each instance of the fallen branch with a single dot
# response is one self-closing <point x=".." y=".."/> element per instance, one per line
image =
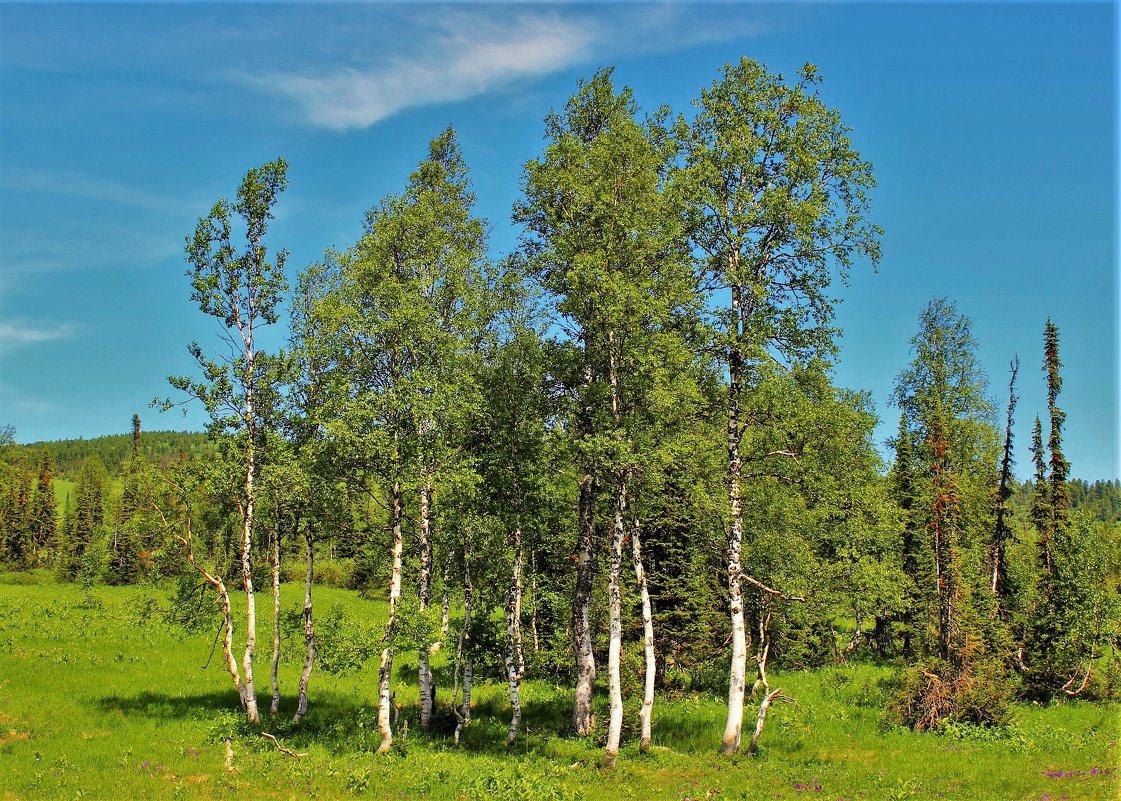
<point x="280" y="747"/>
<point x="761" y="719"/>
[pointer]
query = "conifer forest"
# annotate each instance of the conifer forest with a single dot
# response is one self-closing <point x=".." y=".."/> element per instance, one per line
<point x="591" y="502"/>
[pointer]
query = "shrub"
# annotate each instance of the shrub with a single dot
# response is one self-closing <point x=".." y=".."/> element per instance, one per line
<point x="936" y="692"/>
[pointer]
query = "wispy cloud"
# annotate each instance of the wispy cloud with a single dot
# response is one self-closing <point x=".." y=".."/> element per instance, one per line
<point x="105" y="190"/>
<point x="458" y="62"/>
<point x="20" y="332"/>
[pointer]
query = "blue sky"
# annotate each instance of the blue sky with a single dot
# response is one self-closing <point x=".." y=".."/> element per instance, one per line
<point x="991" y="127"/>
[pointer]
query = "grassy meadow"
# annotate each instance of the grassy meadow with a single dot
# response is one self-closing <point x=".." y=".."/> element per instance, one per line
<point x="99" y="698"/>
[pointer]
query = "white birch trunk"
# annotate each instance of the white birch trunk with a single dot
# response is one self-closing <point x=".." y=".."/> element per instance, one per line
<point x="515" y="659"/>
<point x="249" y="698"/>
<point x="424" y="585"/>
<point x="309" y="631"/>
<point x="385" y="669"/>
<point x="249" y="691"/>
<point x="533" y="593"/>
<point x="582" y="719"/>
<point x="737" y="673"/>
<point x="647" y="638"/>
<point x="463" y="651"/>
<point x="581" y="611"/>
<point x="753" y="746"/>
<point x="615" y="617"/>
<point x="274" y="709"/>
<point x="445" y="598"/>
<point x="227" y="616"/>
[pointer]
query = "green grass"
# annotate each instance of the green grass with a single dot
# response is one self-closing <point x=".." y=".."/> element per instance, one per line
<point x="99" y="701"/>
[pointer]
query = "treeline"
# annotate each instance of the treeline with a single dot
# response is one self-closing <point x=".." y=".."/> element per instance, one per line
<point x="113" y="450"/>
<point x="101" y="525"/>
<point x="619" y="449"/>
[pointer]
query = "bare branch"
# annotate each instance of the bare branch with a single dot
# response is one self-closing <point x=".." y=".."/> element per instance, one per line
<point x="280" y="747"/>
<point x="771" y="590"/>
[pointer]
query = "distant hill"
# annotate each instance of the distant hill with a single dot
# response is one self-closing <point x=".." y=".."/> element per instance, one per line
<point x="1100" y="499"/>
<point x="157" y="446"/>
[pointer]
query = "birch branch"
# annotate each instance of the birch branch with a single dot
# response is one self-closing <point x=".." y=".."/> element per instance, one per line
<point x="771" y="590"/>
<point x="280" y="747"/>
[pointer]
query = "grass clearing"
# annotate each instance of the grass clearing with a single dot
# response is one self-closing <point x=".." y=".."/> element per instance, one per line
<point x="98" y="700"/>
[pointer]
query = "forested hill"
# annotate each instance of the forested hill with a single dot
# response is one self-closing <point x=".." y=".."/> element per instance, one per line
<point x="158" y="446"/>
<point x="1101" y="500"/>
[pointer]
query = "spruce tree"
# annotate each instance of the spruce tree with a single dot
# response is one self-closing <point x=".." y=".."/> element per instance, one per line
<point x="1058" y="500"/>
<point x="1002" y="531"/>
<point x="43" y="517"/>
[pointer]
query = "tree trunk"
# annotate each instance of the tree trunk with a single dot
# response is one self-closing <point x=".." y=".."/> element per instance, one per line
<point x="249" y="699"/>
<point x="227" y="615"/>
<point x="463" y="651"/>
<point x="581" y="609"/>
<point x="275" y="708"/>
<point x="736" y="677"/>
<point x="763" y="649"/>
<point x="385" y="669"/>
<point x="249" y="691"/>
<point x="424" y="589"/>
<point x="515" y="658"/>
<point x="445" y="598"/>
<point x="533" y="606"/>
<point x="647" y="638"/>
<point x="615" y="617"/>
<point x="309" y="630"/>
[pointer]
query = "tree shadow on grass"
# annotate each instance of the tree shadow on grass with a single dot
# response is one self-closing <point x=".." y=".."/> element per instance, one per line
<point x="342" y="724"/>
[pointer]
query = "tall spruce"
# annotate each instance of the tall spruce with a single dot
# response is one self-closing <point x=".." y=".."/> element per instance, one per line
<point x="1058" y="496"/>
<point x="1073" y="609"/>
<point x="1002" y="531"/>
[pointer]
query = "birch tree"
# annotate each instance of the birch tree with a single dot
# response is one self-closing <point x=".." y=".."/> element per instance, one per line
<point x="395" y="318"/>
<point x="243" y="289"/>
<point x="509" y="444"/>
<point x="605" y="241"/>
<point x="778" y="202"/>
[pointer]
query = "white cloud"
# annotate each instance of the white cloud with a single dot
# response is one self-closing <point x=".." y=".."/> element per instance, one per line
<point x="22" y="333"/>
<point x="468" y="56"/>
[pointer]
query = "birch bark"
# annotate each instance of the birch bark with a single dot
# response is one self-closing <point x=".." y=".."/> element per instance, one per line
<point x="651" y="664"/>
<point x="515" y="658"/>
<point x="274" y="709"/>
<point x="385" y="669"/>
<point x="737" y="673"/>
<point x="463" y="651"/>
<point x="424" y="588"/>
<point x="581" y="609"/>
<point x="615" y="617"/>
<point x="309" y="630"/>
